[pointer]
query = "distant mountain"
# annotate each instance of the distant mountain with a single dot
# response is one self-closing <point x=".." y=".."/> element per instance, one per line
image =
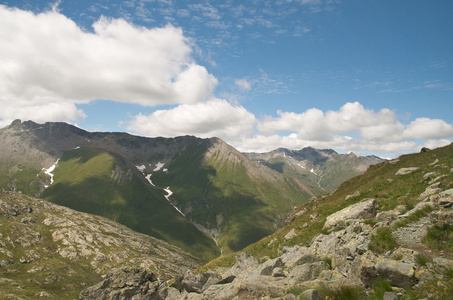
<point x="50" y="251"/>
<point x="190" y="192"/>
<point x="324" y="168"/>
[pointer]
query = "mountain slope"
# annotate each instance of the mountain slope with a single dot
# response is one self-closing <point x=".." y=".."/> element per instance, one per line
<point x="47" y="250"/>
<point x="323" y="168"/>
<point x="157" y="186"/>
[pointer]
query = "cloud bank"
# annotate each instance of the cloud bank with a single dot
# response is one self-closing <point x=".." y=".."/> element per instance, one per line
<point x="48" y="64"/>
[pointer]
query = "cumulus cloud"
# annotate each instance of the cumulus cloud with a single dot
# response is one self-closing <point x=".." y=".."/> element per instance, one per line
<point x="215" y="118"/>
<point x="351" y="128"/>
<point x="48" y="62"/>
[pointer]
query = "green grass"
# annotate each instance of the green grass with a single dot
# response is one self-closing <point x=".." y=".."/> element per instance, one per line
<point x="382" y="241"/>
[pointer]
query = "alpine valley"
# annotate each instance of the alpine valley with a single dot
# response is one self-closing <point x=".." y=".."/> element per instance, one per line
<point x="201" y="195"/>
<point x="115" y="216"/>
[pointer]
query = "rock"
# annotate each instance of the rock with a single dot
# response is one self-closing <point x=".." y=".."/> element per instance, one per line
<point x="390" y="296"/>
<point x="311" y="294"/>
<point x="267" y="268"/>
<point x="443" y="264"/>
<point x="430" y="190"/>
<point x="196" y="283"/>
<point x="442" y="218"/>
<point x="292" y="233"/>
<point x="127" y="283"/>
<point x="405" y="171"/>
<point x="446" y="198"/>
<point x="362" y="210"/>
<point x="399" y="274"/>
<point x="244" y="262"/>
<point x="307" y="272"/>
<point x="356" y="194"/>
<point x="278" y="272"/>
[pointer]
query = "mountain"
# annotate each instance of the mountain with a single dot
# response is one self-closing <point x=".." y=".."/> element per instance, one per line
<point x="51" y="251"/>
<point x="198" y="194"/>
<point x="385" y="234"/>
<point x="323" y="168"/>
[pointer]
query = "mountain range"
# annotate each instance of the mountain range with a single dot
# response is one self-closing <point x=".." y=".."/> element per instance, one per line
<point x="384" y="234"/>
<point x="199" y="194"/>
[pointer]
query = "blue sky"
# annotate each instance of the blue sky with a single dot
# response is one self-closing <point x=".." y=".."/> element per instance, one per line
<point x="368" y="76"/>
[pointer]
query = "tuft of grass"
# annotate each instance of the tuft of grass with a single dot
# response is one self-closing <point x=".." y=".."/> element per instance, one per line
<point x="439" y="238"/>
<point x="328" y="261"/>
<point x="380" y="286"/>
<point x="382" y="241"/>
<point x="422" y="260"/>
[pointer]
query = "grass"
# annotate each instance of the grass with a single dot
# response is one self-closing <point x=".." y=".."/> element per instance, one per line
<point x="439" y="238"/>
<point x="382" y="241"/>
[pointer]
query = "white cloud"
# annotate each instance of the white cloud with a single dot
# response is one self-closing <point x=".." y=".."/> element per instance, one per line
<point x="215" y="118"/>
<point x="243" y="84"/>
<point x="47" y="62"/>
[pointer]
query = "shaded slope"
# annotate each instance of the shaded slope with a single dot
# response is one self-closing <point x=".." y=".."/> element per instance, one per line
<point x="96" y="182"/>
<point x="234" y="199"/>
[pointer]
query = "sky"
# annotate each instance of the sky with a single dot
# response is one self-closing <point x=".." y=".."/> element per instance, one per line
<point x="362" y="76"/>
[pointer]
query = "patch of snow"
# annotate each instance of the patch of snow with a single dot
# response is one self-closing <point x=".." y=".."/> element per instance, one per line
<point x="78" y="147"/>
<point x="169" y="193"/>
<point x="141" y="168"/>
<point x="165" y="170"/>
<point x="159" y="166"/>
<point x="313" y="171"/>
<point x="301" y="166"/>
<point x="148" y="177"/>
<point x="49" y="172"/>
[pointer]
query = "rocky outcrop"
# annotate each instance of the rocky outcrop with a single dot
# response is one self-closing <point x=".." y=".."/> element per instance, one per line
<point x="365" y="209"/>
<point x="129" y="283"/>
<point x="53" y="245"/>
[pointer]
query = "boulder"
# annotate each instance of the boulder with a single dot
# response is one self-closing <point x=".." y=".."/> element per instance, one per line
<point x="446" y="198"/>
<point x="125" y="284"/>
<point x="244" y="262"/>
<point x="398" y="273"/>
<point x="311" y="294"/>
<point x="405" y="171"/>
<point x="362" y="210"/>
<point x="442" y="218"/>
<point x="443" y="264"/>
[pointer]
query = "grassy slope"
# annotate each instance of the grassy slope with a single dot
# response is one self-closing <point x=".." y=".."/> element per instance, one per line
<point x="378" y="182"/>
<point x="82" y="182"/>
<point x="222" y="186"/>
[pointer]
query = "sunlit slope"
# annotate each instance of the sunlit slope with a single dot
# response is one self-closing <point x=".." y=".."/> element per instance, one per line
<point x="237" y="200"/>
<point x="95" y="181"/>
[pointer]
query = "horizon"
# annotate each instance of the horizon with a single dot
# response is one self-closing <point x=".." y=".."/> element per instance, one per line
<point x="371" y="78"/>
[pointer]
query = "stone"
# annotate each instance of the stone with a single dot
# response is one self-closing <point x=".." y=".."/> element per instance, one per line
<point x="390" y="296"/>
<point x="442" y="218"/>
<point x="244" y="262"/>
<point x="446" y="198"/>
<point x="405" y="171"/>
<point x="291" y="234"/>
<point x="278" y="272"/>
<point x="311" y="294"/>
<point x="355" y="194"/>
<point x="443" y="264"/>
<point x="365" y="209"/>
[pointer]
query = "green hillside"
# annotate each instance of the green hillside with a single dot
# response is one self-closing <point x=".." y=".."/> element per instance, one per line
<point x="97" y="182"/>
<point x="378" y="182"/>
<point x="217" y="190"/>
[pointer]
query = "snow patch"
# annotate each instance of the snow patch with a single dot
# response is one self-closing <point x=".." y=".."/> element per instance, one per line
<point x="313" y="171"/>
<point x="148" y="177"/>
<point x="141" y="168"/>
<point x="301" y="166"/>
<point x="159" y="166"/>
<point x="78" y="147"/>
<point x="169" y="193"/>
<point x="49" y="172"/>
